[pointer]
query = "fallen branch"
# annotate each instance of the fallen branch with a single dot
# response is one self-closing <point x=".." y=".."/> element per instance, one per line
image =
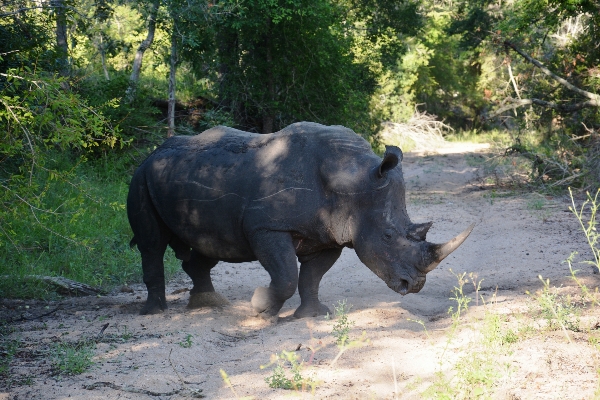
<point x="130" y="389"/>
<point x="63" y="286"/>
<point x="423" y="129"/>
<point x="592" y="96"/>
<point x="516" y="103"/>
<point x="594" y="99"/>
<point x="23" y="318"/>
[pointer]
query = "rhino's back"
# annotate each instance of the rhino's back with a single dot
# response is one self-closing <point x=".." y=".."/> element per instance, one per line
<point x="211" y="188"/>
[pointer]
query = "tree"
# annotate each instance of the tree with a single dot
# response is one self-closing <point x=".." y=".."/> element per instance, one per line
<point x="139" y="55"/>
<point x="60" y="11"/>
<point x="285" y="61"/>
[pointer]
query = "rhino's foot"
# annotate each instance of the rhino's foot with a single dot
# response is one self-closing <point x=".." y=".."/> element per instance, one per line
<point x="207" y="299"/>
<point x="154" y="305"/>
<point x="265" y="304"/>
<point x="311" y="310"/>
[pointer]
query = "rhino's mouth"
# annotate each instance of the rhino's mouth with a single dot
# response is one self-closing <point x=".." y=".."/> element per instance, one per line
<point x="405" y="287"/>
<point x="400" y="286"/>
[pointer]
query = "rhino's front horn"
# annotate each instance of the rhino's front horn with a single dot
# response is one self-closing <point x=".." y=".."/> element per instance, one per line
<point x="437" y="252"/>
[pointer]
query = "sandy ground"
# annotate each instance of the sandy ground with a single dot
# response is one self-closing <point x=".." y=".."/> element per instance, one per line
<point x="512" y="243"/>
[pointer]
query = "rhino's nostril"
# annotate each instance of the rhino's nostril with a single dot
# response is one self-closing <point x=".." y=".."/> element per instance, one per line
<point x="401" y="287"/>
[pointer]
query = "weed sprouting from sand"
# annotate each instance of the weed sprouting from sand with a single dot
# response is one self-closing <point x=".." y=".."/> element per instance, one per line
<point x="559" y="311"/>
<point x="279" y="379"/>
<point x="8" y="349"/>
<point x="420" y="322"/>
<point x="73" y="358"/>
<point x="589" y="227"/>
<point x="341" y="329"/>
<point x="478" y="370"/>
<point x="187" y="342"/>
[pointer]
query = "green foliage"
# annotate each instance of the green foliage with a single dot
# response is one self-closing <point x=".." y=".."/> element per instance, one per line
<point x="559" y="311"/>
<point x="8" y="349"/>
<point x="291" y="62"/>
<point x="73" y="358"/>
<point x="38" y="114"/>
<point x="78" y="228"/>
<point x="476" y="373"/>
<point x="279" y="380"/>
<point x="342" y="326"/>
<point x="26" y="38"/>
<point x="136" y="119"/>
<point x="187" y="343"/>
<point x="589" y="227"/>
<point x="47" y="134"/>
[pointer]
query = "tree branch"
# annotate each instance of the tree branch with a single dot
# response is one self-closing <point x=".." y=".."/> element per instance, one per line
<point x="595" y="99"/>
<point x="516" y="103"/>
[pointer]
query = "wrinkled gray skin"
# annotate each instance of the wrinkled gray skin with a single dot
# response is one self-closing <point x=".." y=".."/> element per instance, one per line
<point x="304" y="193"/>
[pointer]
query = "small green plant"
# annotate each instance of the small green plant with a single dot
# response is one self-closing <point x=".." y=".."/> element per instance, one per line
<point x="126" y="335"/>
<point x="341" y="329"/>
<point x="462" y="300"/>
<point x="536" y="204"/>
<point x="420" y="322"/>
<point x="560" y="312"/>
<point x="8" y="349"/>
<point x="587" y="295"/>
<point x="187" y="343"/>
<point x="478" y="370"/>
<point x="509" y="337"/>
<point x="589" y="227"/>
<point x="73" y="358"/>
<point x="279" y="380"/>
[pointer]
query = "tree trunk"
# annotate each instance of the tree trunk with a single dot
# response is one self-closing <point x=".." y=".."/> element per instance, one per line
<point x="103" y="58"/>
<point x="172" y="81"/>
<point x="227" y="51"/>
<point x="139" y="55"/>
<point x="268" y="114"/>
<point x="61" y="37"/>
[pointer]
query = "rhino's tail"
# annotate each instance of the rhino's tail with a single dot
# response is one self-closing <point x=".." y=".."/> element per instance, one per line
<point x="133" y="242"/>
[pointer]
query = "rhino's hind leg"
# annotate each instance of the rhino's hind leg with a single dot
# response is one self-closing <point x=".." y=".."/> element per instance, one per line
<point x="154" y="278"/>
<point x="203" y="293"/>
<point x="312" y="269"/>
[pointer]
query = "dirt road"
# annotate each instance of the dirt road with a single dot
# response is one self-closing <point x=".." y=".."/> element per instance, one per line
<point x="181" y="352"/>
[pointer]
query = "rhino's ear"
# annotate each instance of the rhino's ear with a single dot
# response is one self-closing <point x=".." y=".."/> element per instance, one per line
<point x="391" y="158"/>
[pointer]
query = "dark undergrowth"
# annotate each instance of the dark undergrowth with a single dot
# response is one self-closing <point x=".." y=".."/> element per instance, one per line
<point x="76" y="229"/>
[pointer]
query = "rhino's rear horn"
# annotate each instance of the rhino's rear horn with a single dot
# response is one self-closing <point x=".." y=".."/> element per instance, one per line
<point x="437" y="252"/>
<point x="418" y="231"/>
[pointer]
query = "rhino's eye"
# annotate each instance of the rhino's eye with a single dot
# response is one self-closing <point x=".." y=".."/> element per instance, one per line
<point x="387" y="236"/>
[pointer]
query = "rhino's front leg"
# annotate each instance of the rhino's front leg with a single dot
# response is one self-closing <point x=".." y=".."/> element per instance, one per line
<point x="312" y="269"/>
<point x="275" y="251"/>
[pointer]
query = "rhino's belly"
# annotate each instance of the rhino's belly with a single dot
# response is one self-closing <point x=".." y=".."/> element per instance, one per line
<point x="212" y="225"/>
<point x="213" y="247"/>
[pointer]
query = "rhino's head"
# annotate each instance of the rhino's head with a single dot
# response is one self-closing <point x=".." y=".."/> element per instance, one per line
<point x="381" y="232"/>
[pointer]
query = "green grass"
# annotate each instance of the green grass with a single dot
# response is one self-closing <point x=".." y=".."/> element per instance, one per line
<point x="79" y="230"/>
<point x="73" y="358"/>
<point x="8" y="350"/>
<point x="495" y="136"/>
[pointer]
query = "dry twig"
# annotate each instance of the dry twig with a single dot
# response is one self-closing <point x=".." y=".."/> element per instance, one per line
<point x="423" y="129"/>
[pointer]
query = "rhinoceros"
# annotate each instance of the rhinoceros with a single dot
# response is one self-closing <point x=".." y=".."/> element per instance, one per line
<point x="300" y="194"/>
